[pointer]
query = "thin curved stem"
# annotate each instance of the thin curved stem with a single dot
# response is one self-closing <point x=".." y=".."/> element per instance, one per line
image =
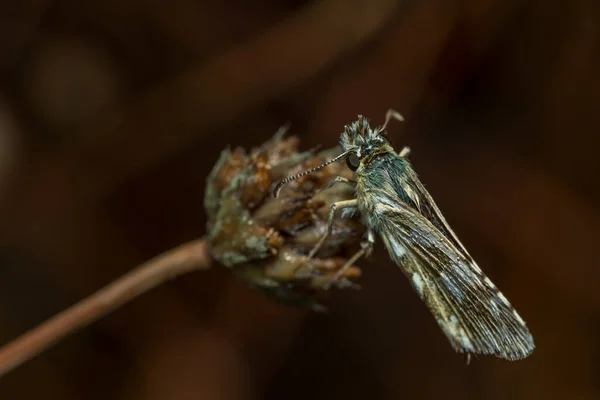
<point x="186" y="258"/>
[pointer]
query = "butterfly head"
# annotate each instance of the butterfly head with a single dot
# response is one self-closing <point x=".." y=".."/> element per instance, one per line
<point x="359" y="140"/>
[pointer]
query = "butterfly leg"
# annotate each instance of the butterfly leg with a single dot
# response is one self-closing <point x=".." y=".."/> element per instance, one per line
<point x="347" y="204"/>
<point x="366" y="248"/>
<point x="340" y="205"/>
<point x="339" y="179"/>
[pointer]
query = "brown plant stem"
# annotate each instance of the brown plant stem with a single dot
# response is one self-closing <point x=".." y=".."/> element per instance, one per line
<point x="186" y="258"/>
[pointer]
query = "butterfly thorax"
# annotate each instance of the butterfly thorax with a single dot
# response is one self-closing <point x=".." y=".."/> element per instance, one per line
<point x="378" y="181"/>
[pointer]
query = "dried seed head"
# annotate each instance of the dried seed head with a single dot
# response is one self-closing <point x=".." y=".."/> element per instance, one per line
<point x="265" y="240"/>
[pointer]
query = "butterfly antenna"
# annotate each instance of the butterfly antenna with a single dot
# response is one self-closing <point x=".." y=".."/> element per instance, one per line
<point x="388" y="117"/>
<point x="280" y="184"/>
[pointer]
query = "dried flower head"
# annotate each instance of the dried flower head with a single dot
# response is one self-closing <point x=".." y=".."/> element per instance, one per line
<point x="265" y="240"/>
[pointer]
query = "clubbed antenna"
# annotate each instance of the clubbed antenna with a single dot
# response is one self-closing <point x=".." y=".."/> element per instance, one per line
<point x="388" y="117"/>
<point x="289" y="179"/>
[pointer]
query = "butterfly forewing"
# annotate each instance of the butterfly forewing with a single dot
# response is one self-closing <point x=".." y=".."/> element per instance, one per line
<point x="475" y="316"/>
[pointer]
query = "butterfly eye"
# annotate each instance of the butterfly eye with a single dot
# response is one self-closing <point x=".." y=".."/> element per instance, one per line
<point x="353" y="161"/>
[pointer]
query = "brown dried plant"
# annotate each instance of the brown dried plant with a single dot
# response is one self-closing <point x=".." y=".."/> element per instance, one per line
<point x="265" y="240"/>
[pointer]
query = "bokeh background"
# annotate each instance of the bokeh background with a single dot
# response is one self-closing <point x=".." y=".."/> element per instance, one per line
<point x="113" y="112"/>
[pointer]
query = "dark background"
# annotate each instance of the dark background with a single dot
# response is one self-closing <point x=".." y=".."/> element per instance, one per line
<point x="113" y="112"/>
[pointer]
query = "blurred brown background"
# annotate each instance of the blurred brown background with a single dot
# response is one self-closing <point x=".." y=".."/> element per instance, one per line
<point x="113" y="112"/>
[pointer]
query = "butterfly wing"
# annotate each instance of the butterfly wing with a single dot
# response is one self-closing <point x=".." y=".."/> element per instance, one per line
<point x="475" y="316"/>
